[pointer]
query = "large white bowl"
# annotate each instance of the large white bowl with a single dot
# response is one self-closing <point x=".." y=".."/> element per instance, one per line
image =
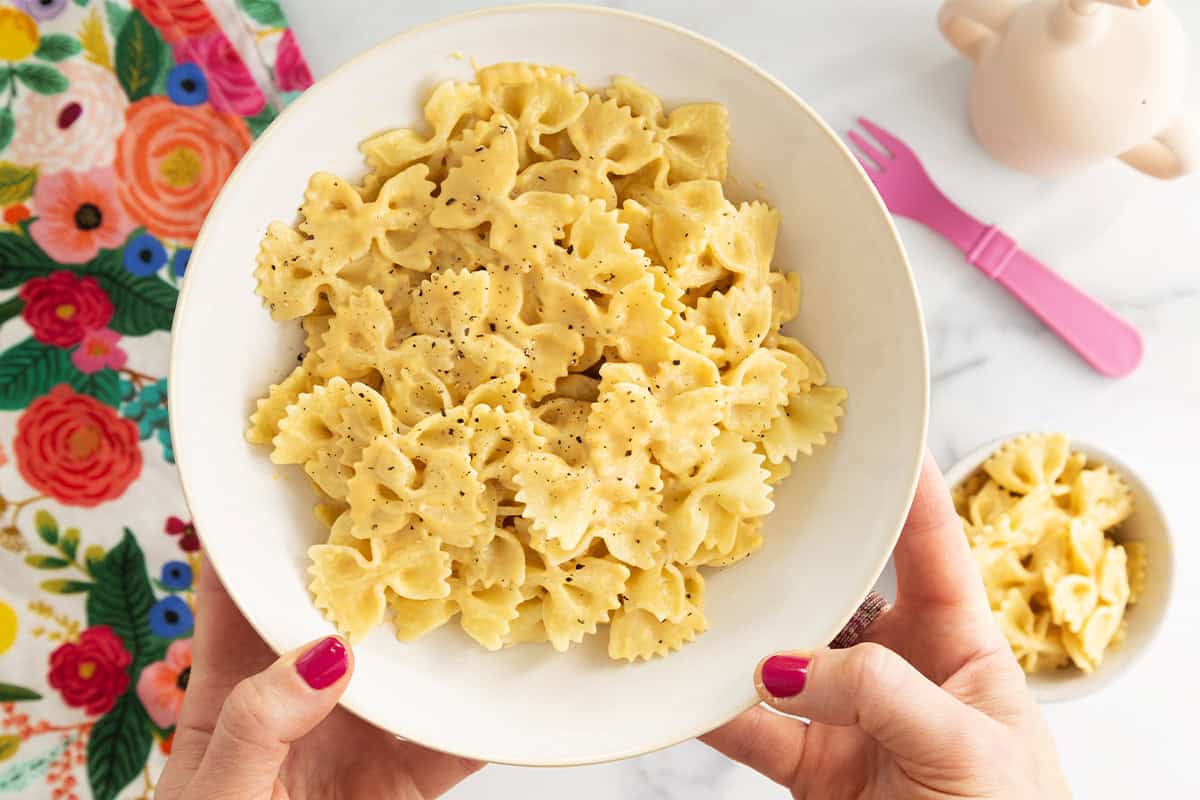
<point x="836" y="518"/>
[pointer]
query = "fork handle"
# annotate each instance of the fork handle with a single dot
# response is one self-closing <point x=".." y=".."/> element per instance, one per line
<point x="1108" y="343"/>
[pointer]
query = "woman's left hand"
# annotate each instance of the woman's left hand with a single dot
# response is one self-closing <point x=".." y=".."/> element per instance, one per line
<point x="254" y="727"/>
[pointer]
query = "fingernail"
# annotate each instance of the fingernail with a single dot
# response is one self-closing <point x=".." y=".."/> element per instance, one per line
<point x="785" y="676"/>
<point x="324" y="663"/>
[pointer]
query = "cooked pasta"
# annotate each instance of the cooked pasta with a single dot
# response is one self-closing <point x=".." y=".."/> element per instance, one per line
<point x="1039" y="518"/>
<point x="545" y="382"/>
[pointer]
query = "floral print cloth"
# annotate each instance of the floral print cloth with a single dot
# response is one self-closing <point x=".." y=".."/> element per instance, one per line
<point x="119" y="122"/>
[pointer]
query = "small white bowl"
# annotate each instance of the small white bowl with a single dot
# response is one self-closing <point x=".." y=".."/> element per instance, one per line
<point x="1147" y="524"/>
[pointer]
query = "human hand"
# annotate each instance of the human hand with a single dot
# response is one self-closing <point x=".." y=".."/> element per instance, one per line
<point x="931" y="704"/>
<point x="256" y="728"/>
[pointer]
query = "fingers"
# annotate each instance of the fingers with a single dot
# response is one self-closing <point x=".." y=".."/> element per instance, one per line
<point x="762" y="740"/>
<point x="933" y="561"/>
<point x="874" y="689"/>
<point x="265" y="713"/>
<point x="225" y="649"/>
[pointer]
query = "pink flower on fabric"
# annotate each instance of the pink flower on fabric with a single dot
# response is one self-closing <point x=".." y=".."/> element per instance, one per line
<point x="75" y="129"/>
<point x="231" y="86"/>
<point x="78" y="213"/>
<point x="98" y="350"/>
<point x="291" y="70"/>
<point x="161" y="685"/>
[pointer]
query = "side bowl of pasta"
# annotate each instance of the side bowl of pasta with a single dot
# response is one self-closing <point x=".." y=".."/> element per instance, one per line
<point x="554" y="381"/>
<point x="1075" y="554"/>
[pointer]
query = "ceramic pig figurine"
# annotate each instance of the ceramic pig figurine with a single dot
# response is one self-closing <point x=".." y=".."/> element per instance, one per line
<point x="1060" y="85"/>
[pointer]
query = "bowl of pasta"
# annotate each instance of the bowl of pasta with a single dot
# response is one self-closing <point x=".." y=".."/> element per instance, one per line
<point x="554" y="384"/>
<point x="1074" y="552"/>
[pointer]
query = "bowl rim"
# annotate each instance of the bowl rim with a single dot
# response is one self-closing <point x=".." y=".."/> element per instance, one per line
<point x="1081" y="684"/>
<point x="262" y="142"/>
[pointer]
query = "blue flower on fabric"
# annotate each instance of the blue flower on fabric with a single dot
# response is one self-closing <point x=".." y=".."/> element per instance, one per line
<point x="176" y="575"/>
<point x="186" y="85"/>
<point x="144" y="255"/>
<point x="170" y="618"/>
<point x="179" y="261"/>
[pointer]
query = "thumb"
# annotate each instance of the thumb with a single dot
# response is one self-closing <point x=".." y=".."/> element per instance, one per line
<point x="874" y="689"/>
<point x="265" y="713"/>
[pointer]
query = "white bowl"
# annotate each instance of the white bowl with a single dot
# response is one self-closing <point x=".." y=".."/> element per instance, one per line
<point x="1148" y="525"/>
<point x="836" y="518"/>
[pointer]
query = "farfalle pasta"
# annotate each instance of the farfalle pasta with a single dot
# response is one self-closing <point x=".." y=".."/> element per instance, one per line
<point x="545" y="385"/>
<point x="1040" y="519"/>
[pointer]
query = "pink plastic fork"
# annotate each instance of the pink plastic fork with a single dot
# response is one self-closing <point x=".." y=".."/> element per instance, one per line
<point x="1105" y="341"/>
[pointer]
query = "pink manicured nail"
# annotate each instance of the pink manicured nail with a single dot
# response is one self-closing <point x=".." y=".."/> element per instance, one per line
<point x="785" y="676"/>
<point x="324" y="663"/>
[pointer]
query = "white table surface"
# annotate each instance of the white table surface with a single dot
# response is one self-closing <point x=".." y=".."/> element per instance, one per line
<point x="1131" y="241"/>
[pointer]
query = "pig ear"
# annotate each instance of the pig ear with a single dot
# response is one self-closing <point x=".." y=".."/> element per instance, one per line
<point x="972" y="26"/>
<point x="1171" y="154"/>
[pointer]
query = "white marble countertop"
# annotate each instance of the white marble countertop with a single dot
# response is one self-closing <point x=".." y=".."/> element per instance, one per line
<point x="1131" y="241"/>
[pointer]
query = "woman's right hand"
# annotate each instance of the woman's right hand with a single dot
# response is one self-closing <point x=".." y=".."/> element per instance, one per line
<point x="931" y="704"/>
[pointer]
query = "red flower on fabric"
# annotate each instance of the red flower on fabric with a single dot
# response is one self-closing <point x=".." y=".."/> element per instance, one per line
<point x="291" y="70"/>
<point x="178" y="19"/>
<point x="75" y="449"/>
<point x="189" y="542"/>
<point x="62" y="307"/>
<point x="91" y="673"/>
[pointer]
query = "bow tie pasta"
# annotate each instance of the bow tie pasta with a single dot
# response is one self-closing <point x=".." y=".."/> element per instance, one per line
<point x="545" y="385"/>
<point x="1039" y="519"/>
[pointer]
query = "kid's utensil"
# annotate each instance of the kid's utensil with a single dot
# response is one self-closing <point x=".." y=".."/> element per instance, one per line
<point x="1105" y="341"/>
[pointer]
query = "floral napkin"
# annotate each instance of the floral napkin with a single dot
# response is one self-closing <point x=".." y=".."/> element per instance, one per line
<point x="119" y="121"/>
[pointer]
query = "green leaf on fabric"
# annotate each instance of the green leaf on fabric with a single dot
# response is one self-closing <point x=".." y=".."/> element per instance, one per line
<point x="57" y="46"/>
<point x="259" y="122"/>
<point x="118" y="747"/>
<point x="10" y="308"/>
<point x="16" y="182"/>
<point x="81" y="3"/>
<point x="140" y="53"/>
<point x="20" y="258"/>
<point x="117" y="15"/>
<point x="69" y="543"/>
<point x="141" y="305"/>
<point x="264" y="12"/>
<point x="66" y="586"/>
<point x="5" y="77"/>
<point x="21" y="775"/>
<point x="7" y="126"/>
<point x="159" y="86"/>
<point x="122" y="598"/>
<point x="10" y="693"/>
<point x="29" y="370"/>
<point x="46" y="526"/>
<point x="46" y="562"/>
<point x="104" y="385"/>
<point x="42" y="78"/>
<point x="10" y="743"/>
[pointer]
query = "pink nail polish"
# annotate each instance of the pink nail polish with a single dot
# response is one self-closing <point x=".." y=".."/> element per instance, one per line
<point x="785" y="676"/>
<point x="324" y="664"/>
